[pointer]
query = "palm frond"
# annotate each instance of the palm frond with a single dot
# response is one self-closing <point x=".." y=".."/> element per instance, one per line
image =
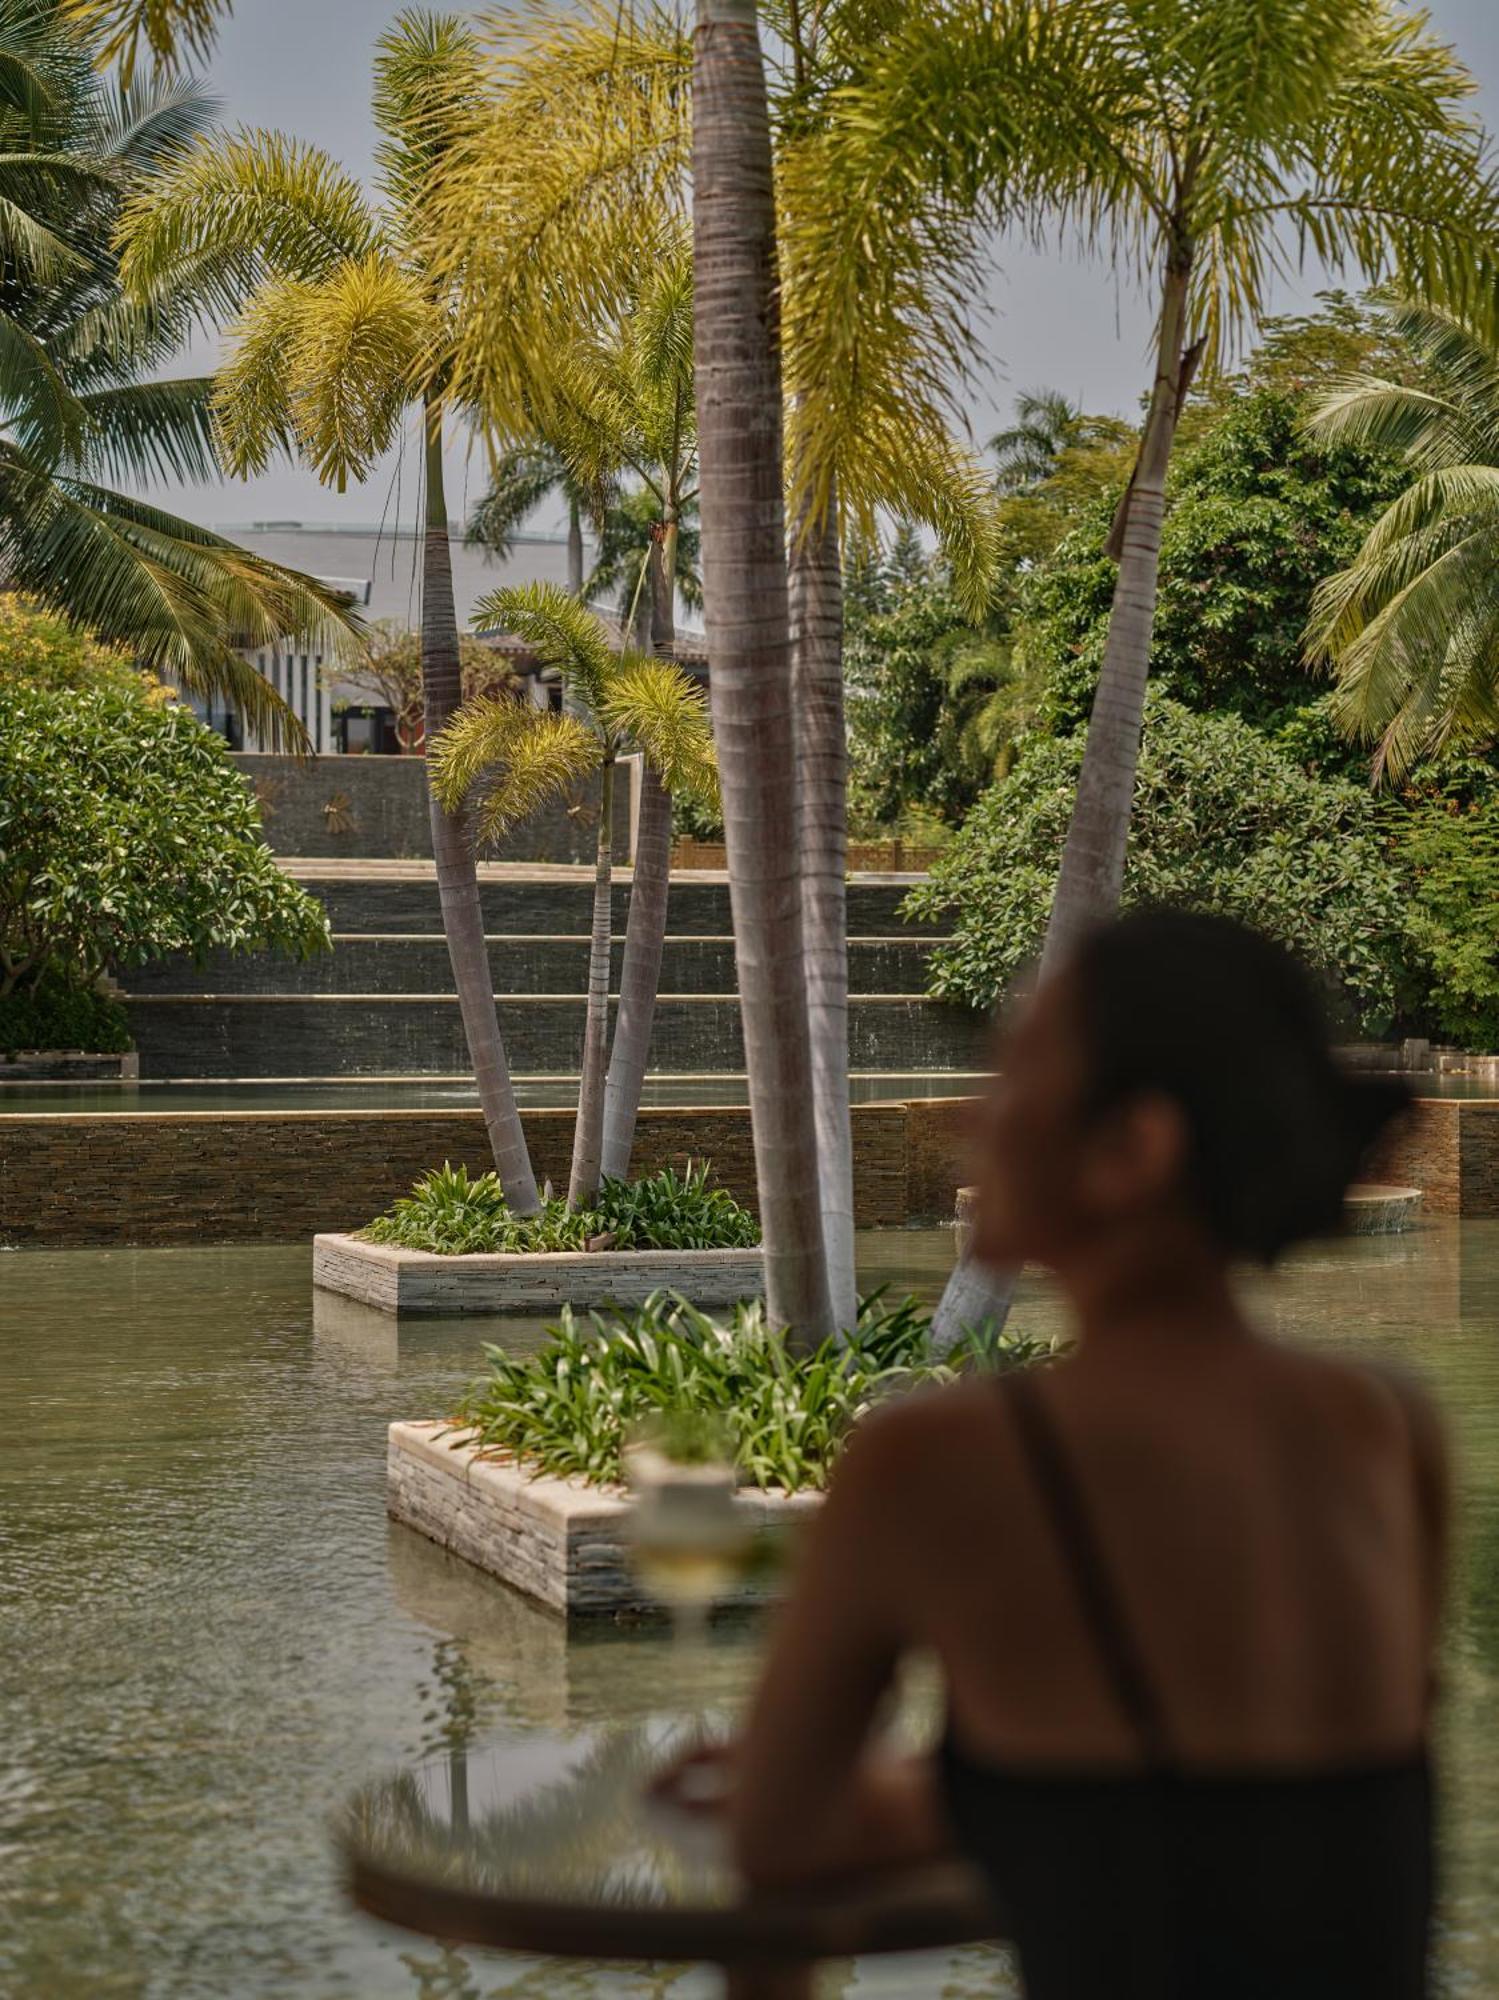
<point x="171" y="32"/>
<point x="663" y="712"/>
<point x="520" y="478"/>
<point x="180" y="598"/>
<point x="537" y="216"/>
<point x="426" y="98"/>
<point x="506" y="759"/>
<point x="238" y="210"/>
<point x="563" y="633"/>
<point x="151" y="431"/>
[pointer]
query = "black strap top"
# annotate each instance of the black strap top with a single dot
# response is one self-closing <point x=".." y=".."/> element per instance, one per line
<point x="1167" y="1884"/>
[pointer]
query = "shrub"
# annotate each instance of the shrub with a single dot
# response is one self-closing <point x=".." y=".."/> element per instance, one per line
<point x="453" y="1215"/>
<point x="1452" y="851"/>
<point x="127" y="834"/>
<point x="52" y="1015"/>
<point x="1221" y="822"/>
<point x="572" y="1408"/>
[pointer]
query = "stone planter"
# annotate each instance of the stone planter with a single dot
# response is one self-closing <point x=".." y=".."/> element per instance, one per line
<point x="415" y="1281"/>
<point x="560" y="1541"/>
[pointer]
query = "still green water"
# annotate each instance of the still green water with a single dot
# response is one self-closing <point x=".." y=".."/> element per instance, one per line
<point x="209" y="1632"/>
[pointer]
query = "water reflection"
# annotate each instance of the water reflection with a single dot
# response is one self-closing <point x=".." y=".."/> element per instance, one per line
<point x="210" y="1634"/>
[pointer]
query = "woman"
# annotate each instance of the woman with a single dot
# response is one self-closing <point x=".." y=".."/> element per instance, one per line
<point x="1184" y="1585"/>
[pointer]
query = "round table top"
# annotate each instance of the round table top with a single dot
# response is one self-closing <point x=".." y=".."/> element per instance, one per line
<point x="551" y="1845"/>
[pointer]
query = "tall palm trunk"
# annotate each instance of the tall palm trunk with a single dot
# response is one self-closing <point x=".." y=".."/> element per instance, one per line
<point x="588" y="1133"/>
<point x="1092" y="872"/>
<point x="453" y="853"/>
<point x="645" y="928"/>
<point x="822" y="823"/>
<point x="738" y="394"/>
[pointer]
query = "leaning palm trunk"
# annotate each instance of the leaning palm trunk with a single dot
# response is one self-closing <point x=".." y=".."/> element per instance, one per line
<point x="588" y="1133"/>
<point x="645" y="928"/>
<point x="822" y="771"/>
<point x="738" y="394"/>
<point x="453" y="853"/>
<point x="1092" y="872"/>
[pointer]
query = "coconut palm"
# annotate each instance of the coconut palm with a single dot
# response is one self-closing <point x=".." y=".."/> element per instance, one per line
<point x="1206" y="145"/>
<point x="81" y="405"/>
<point x="170" y="30"/>
<point x="340" y="325"/>
<point x="592" y="131"/>
<point x="1412" y="625"/>
<point x="520" y="477"/>
<point x="631" y="701"/>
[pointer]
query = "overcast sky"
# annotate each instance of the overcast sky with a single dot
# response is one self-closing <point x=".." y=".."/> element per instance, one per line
<point x="303" y="67"/>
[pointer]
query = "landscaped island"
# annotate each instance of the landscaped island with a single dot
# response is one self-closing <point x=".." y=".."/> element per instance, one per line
<point x="455" y="1245"/>
<point x="525" y="1479"/>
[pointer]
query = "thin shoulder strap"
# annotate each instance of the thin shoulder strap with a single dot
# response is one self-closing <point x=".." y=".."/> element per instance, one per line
<point x="1063" y="1501"/>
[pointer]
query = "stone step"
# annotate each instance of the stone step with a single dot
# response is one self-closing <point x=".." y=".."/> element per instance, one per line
<point x="397" y="962"/>
<point x="559" y="904"/>
<point x="360" y="1034"/>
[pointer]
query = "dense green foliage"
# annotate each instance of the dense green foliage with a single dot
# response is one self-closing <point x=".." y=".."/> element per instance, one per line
<point x="1222" y="821"/>
<point x="574" y="1406"/>
<point x="126" y="834"/>
<point x="52" y="1014"/>
<point x="1259" y="513"/>
<point x="1393" y="897"/>
<point x="1451" y="851"/>
<point x="453" y="1215"/>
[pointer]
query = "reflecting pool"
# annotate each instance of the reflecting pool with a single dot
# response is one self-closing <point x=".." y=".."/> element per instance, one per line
<point x="209" y="1632"/>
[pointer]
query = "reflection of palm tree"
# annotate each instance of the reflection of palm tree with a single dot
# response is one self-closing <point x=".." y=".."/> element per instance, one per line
<point x="580" y="1837"/>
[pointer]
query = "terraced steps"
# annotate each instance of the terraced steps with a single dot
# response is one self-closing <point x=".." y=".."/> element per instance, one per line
<point x="362" y="1034"/>
<point x="410" y="962"/>
<point x="381" y="1004"/>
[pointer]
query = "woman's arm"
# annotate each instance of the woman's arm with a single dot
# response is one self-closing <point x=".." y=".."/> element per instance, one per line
<point x="810" y="1797"/>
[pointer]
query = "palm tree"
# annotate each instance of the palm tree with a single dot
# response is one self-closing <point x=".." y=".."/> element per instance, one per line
<point x="520" y="477"/>
<point x="1412" y="625"/>
<point x="620" y="406"/>
<point x="80" y="403"/>
<point x="169" y="29"/>
<point x="631" y="701"/>
<point x="1206" y="144"/>
<point x="338" y="314"/>
<point x="592" y="133"/>
<point x="738" y="390"/>
<point x="1027" y="451"/>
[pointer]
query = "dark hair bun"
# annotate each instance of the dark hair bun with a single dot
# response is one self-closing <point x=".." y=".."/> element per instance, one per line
<point x="1231" y="1026"/>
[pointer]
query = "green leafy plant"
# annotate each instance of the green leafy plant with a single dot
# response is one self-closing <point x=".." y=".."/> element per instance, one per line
<point x="1452" y="851"/>
<point x="574" y="1407"/>
<point x="126" y="833"/>
<point x="454" y="1214"/>
<point x="1222" y="821"/>
<point x="56" y="1015"/>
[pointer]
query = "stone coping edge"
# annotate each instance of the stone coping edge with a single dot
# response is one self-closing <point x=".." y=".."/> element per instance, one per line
<point x="560" y="1541"/>
<point x="419" y="1281"/>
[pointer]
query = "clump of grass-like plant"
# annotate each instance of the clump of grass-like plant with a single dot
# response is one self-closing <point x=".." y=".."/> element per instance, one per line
<point x="601" y="1380"/>
<point x="453" y="1214"/>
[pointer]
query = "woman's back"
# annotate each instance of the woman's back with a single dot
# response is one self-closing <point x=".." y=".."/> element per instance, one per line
<point x="1268" y="1831"/>
<point x="1261" y="1518"/>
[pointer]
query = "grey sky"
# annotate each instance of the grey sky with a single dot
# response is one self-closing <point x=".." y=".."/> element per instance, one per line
<point x="303" y="66"/>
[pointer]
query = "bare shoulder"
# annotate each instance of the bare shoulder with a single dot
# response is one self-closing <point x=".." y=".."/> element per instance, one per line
<point x="1372" y="1398"/>
<point x="926" y="1430"/>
